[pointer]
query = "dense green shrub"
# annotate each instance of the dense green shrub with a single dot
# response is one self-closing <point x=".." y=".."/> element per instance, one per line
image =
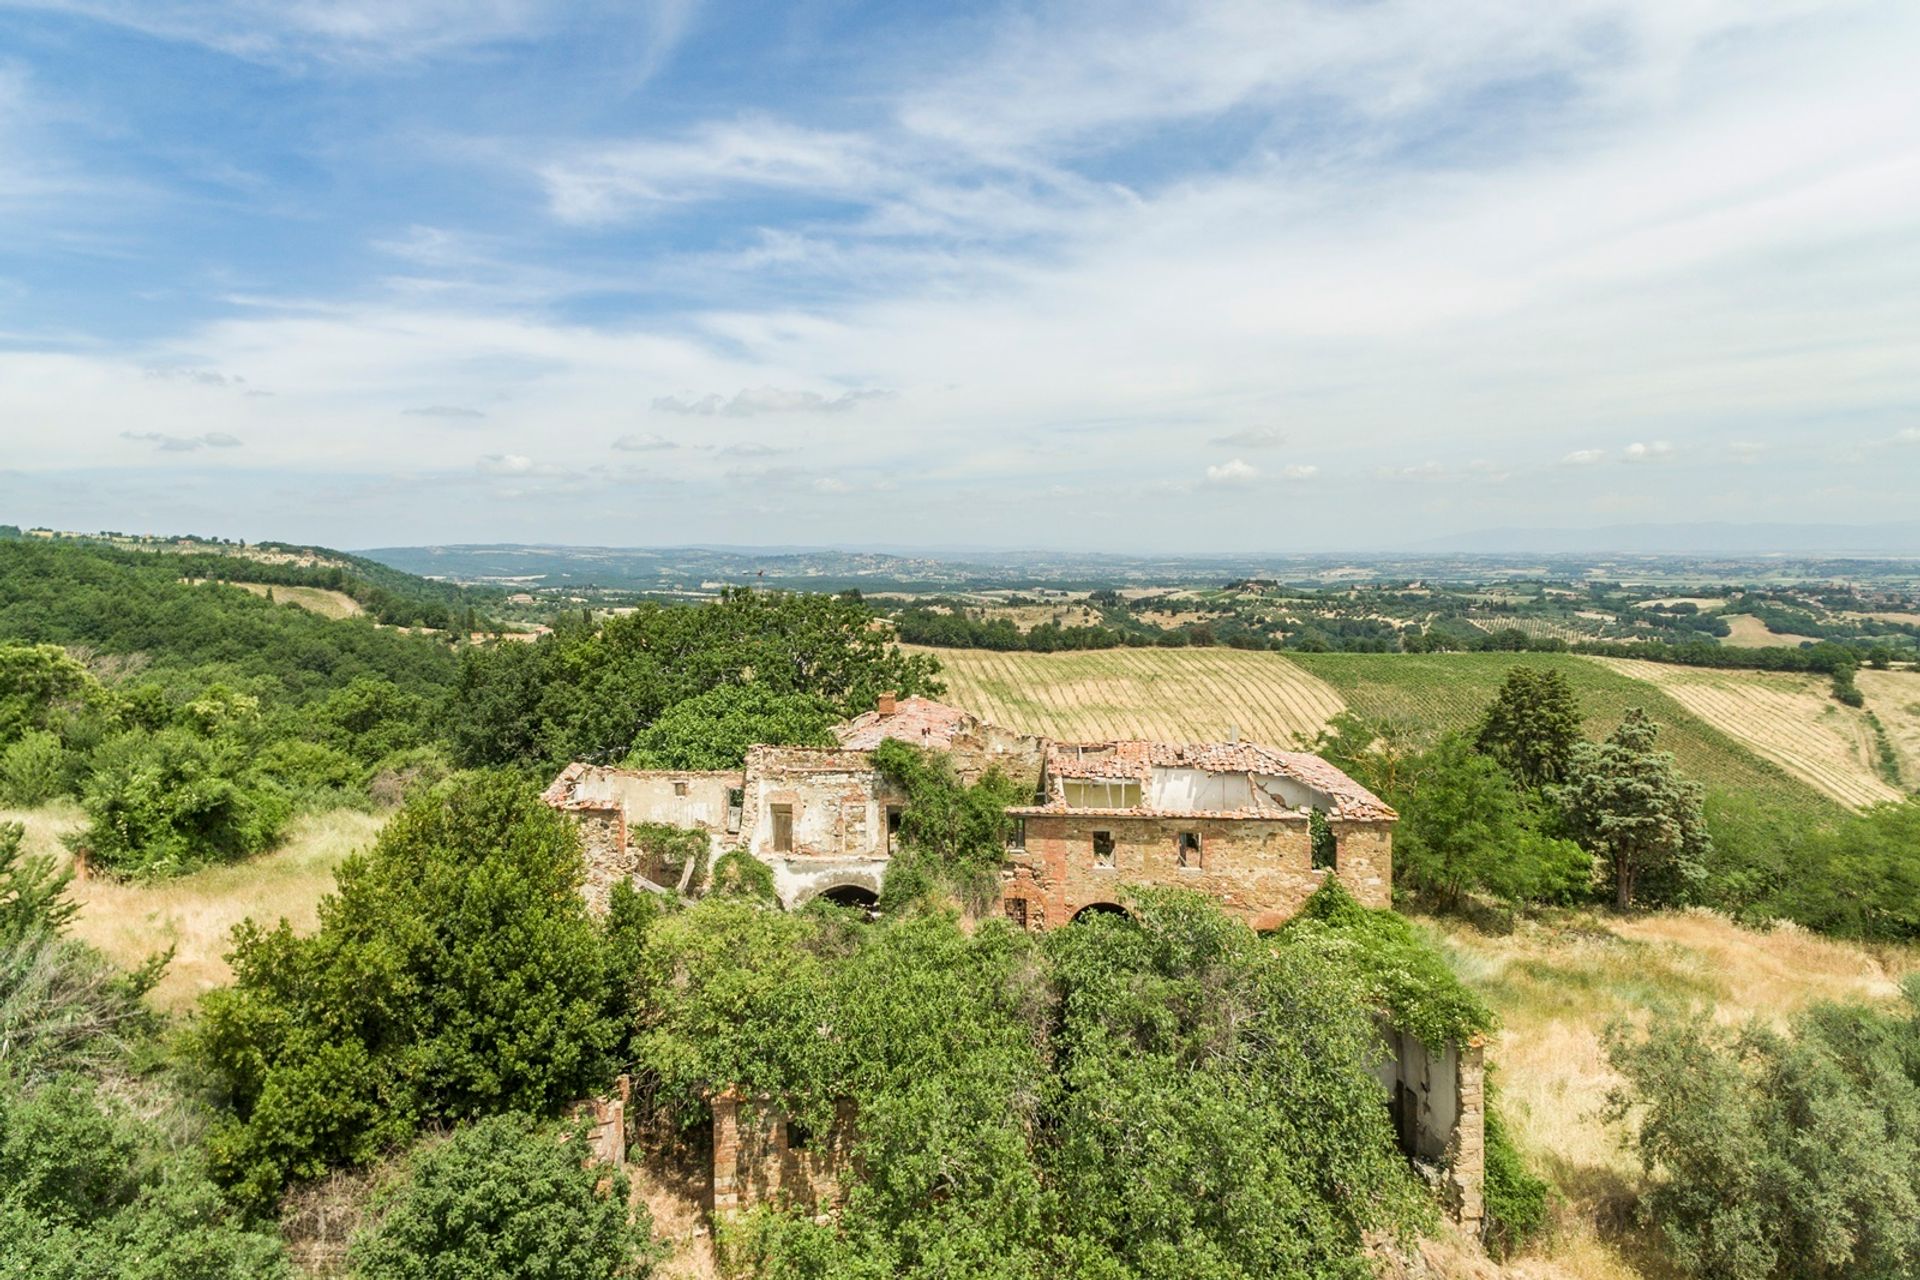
<point x="159" y="802"/>
<point x="998" y="1082"/>
<point x="953" y="836"/>
<point x="88" y="1192"/>
<point x="1516" y="1199"/>
<point x="504" y="1199"/>
<point x="1777" y="1155"/>
<point x="33" y="769"/>
<point x="455" y="973"/>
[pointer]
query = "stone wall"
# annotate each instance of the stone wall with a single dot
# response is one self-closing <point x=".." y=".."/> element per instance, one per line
<point x="836" y="810"/>
<point x="761" y="1156"/>
<point x="1438" y="1096"/>
<point x="1260" y="869"/>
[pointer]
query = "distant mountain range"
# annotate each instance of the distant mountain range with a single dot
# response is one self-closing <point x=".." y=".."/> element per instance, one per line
<point x="1901" y="538"/>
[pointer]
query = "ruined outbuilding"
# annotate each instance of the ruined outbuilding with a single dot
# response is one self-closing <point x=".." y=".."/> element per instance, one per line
<point x="1231" y="820"/>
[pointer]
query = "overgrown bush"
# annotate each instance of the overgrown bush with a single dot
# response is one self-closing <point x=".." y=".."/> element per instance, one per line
<point x="505" y="1199"/>
<point x="455" y="973"/>
<point x="998" y="1082"/>
<point x="161" y="802"/>
<point x="713" y="730"/>
<point x="1778" y="1156"/>
<point x="1516" y="1200"/>
<point x="33" y="769"/>
<point x="953" y="836"/>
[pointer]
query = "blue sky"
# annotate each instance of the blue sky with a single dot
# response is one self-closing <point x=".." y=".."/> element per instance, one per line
<point x="1142" y="277"/>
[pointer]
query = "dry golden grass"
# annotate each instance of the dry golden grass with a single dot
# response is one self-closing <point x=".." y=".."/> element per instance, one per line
<point x="1751" y="633"/>
<point x="196" y="913"/>
<point x="1556" y="986"/>
<point x="1791" y="719"/>
<point x="1894" y="696"/>
<point x="328" y="604"/>
<point x="1180" y="695"/>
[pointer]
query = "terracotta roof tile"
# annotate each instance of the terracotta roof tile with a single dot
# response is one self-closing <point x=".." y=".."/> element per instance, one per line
<point x="1136" y="761"/>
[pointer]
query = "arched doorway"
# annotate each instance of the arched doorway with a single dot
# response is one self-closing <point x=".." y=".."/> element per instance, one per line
<point x="1093" y="909"/>
<point x="851" y="895"/>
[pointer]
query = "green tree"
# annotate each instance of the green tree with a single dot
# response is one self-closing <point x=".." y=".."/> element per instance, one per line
<point x="455" y="973"/>
<point x="1465" y="827"/>
<point x="1625" y="802"/>
<point x="713" y="730"/>
<point x="503" y="1199"/>
<point x="1532" y="726"/>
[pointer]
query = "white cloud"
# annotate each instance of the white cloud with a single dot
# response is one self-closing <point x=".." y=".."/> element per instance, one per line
<point x="1652" y="451"/>
<point x="831" y="484"/>
<point x="183" y="444"/>
<point x="1234" y="474"/>
<point x="1251" y="438"/>
<point x="1584" y="458"/>
<point x="1299" y="471"/>
<point x="506" y="464"/>
<point x="646" y="442"/>
<point x="750" y="401"/>
<point x="1908" y="435"/>
<point x="452" y="412"/>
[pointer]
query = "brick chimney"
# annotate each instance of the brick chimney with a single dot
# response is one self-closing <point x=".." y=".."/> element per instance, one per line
<point x="887" y="703"/>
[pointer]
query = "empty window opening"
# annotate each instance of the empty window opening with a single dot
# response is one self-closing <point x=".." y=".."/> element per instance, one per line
<point x="1101" y="793"/>
<point x="893" y="825"/>
<point x="1103" y="848"/>
<point x="1017" y="912"/>
<point x="799" y="1137"/>
<point x="679" y="788"/>
<point x="783" y="828"/>
<point x="1017" y="833"/>
<point x="1187" y="847"/>
<point x="1325" y="845"/>
<point x="1097" y="910"/>
<point x="736" y="799"/>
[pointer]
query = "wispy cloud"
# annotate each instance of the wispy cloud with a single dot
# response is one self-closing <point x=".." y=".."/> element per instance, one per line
<point x="452" y="412"/>
<point x="1652" y="451"/>
<point x="1251" y="438"/>
<point x="1584" y="458"/>
<point x="645" y="442"/>
<point x="752" y="401"/>
<point x="183" y="444"/>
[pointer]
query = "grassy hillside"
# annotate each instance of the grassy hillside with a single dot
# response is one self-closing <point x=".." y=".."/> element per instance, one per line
<point x="1557" y="984"/>
<point x="1426" y="694"/>
<point x="328" y="604"/>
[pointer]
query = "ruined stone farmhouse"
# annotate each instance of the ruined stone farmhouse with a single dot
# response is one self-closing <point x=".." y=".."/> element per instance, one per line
<point x="1256" y="828"/>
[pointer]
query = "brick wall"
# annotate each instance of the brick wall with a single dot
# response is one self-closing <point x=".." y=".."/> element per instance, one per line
<point x="760" y="1156"/>
<point x="1260" y="869"/>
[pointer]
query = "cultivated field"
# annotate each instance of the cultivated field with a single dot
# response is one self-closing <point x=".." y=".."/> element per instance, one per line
<point x="1182" y="695"/>
<point x="1748" y="632"/>
<point x="1556" y="985"/>
<point x="328" y="604"/>
<point x="1790" y="719"/>
<point x="196" y="913"/>
<point x="1894" y="697"/>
